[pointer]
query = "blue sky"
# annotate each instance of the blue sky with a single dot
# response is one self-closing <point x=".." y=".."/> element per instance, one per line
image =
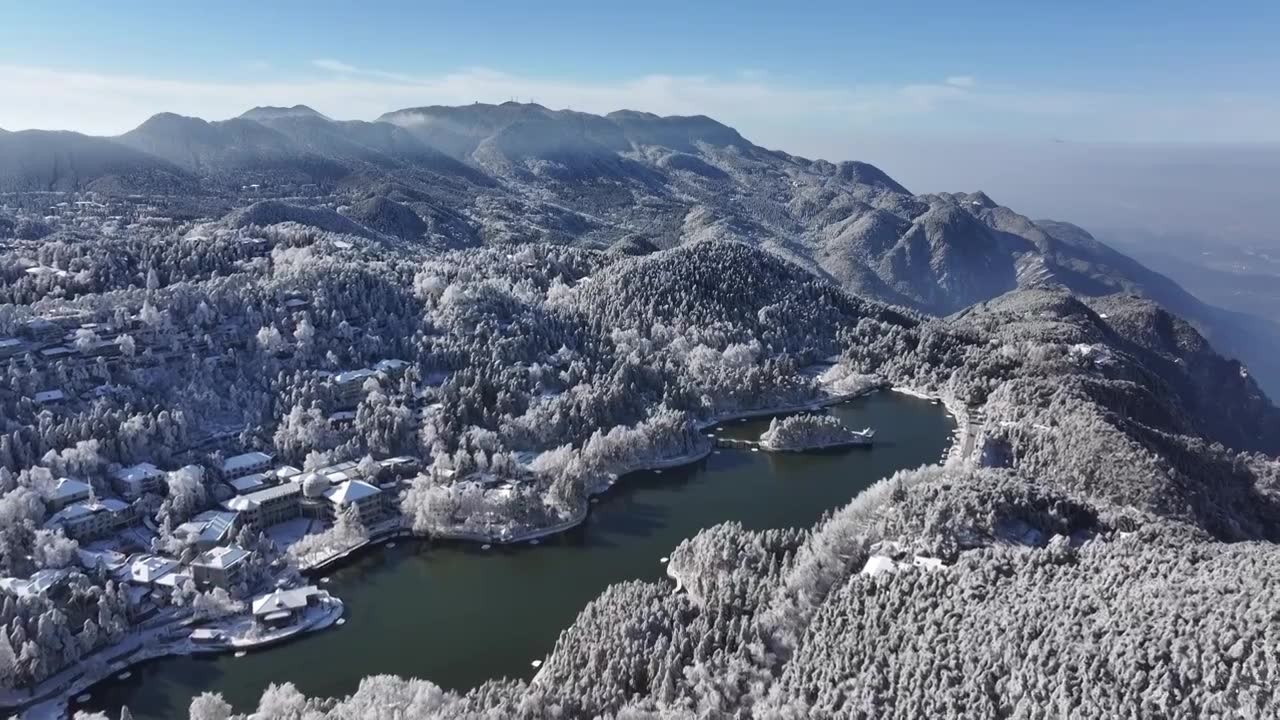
<point x="804" y="76"/>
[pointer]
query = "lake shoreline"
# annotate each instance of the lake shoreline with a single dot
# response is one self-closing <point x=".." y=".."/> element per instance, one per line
<point x="149" y="645"/>
<point x="325" y="567"/>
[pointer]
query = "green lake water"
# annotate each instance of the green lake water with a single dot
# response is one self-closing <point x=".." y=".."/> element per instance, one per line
<point x="459" y="615"/>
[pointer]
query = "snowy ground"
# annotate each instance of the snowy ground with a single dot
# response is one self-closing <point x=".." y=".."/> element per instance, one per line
<point x="289" y="532"/>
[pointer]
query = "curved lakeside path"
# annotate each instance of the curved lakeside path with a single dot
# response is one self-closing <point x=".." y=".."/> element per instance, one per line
<point x="458" y="615"/>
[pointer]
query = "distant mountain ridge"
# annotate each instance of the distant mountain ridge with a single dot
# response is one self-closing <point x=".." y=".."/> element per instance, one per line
<point x="272" y="112"/>
<point x="512" y="173"/>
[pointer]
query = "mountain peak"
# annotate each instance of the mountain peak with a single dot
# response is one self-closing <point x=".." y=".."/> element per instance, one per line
<point x="275" y="112"/>
<point x="171" y="119"/>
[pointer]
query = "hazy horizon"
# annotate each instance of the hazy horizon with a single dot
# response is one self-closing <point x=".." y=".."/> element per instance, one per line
<point x="1099" y="117"/>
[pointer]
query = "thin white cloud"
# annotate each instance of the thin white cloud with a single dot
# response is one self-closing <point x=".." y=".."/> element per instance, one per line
<point x="767" y="109"/>
<point x="334" y="65"/>
<point x="341" y="68"/>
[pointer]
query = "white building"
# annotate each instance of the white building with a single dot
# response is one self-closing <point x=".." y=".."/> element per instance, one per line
<point x="149" y="569"/>
<point x="40" y="583"/>
<point x="67" y="492"/>
<point x="349" y="386"/>
<point x="220" y="567"/>
<point x="209" y="529"/>
<point x="246" y="464"/>
<point x="286" y="472"/>
<point x="137" y="480"/>
<point x="269" y="506"/>
<point x="88" y="520"/>
<point x="285" y="607"/>
<point x="392" y="368"/>
<point x="251" y="483"/>
<point x="370" y="502"/>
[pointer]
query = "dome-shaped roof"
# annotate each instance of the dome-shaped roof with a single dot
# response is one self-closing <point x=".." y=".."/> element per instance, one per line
<point x="314" y="485"/>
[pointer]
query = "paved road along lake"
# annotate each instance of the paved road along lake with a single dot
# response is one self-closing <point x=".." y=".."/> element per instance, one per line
<point x="459" y="615"/>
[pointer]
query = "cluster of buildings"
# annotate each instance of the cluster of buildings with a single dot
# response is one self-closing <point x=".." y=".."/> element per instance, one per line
<point x="82" y="516"/>
<point x="270" y="496"/>
<point x="76" y="337"/>
<point x="91" y="210"/>
<point x="349" y="386"/>
<point x="265" y="495"/>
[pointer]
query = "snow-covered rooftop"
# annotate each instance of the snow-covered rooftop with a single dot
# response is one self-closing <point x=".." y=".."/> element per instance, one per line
<point x="283" y="600"/>
<point x="236" y="463"/>
<point x="249" y="483"/>
<point x="224" y="558"/>
<point x="210" y="526"/>
<point x="137" y="473"/>
<point x="351" y="491"/>
<point x="40" y="582"/>
<point x="150" y="568"/>
<point x="350" y="376"/>
<point x="240" y="503"/>
<point x="390" y="365"/>
<point x="272" y="493"/>
<point x="48" y="396"/>
<point x="69" y="488"/>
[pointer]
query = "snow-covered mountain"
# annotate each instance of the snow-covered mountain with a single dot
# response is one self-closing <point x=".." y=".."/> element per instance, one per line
<point x="512" y="173"/>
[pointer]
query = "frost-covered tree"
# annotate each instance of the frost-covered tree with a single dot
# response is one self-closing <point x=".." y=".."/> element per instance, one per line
<point x="209" y="706"/>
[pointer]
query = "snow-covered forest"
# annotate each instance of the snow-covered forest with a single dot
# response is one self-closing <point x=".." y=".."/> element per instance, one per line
<point x="805" y="432"/>
<point x="183" y="375"/>
<point x="523" y="379"/>
<point x="1065" y="563"/>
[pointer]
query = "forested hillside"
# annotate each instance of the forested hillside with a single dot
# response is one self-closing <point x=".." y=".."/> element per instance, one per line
<point x="516" y="173"/>
<point x="1086" y="554"/>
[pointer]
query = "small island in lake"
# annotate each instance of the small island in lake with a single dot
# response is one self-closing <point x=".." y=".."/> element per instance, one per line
<point x="811" y="432"/>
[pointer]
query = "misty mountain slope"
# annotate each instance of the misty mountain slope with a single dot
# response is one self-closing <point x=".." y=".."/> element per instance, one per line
<point x="1251" y="339"/>
<point x="291" y="144"/>
<point x="207" y="147"/>
<point x="1223" y="400"/>
<point x="355" y="142"/>
<point x="1149" y="365"/>
<point x="38" y="160"/>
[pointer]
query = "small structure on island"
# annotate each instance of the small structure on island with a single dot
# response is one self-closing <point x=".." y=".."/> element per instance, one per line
<point x="283" y="608"/>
